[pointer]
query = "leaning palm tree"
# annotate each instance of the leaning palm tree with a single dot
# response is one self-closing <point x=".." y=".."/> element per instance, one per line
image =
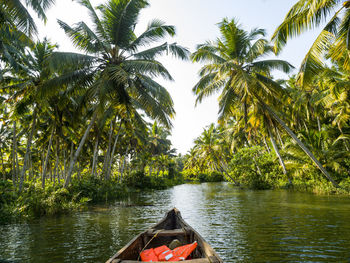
<point x="308" y="14"/>
<point x="118" y="67"/>
<point x="236" y="68"/>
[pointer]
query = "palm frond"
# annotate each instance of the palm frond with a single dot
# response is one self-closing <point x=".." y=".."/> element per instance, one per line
<point x="148" y="67"/>
<point x="313" y="63"/>
<point x="119" y="19"/>
<point x="100" y="31"/>
<point x="20" y="16"/>
<point x="207" y="53"/>
<point x="304" y="15"/>
<point x="40" y="6"/>
<point x="63" y="61"/>
<point x="272" y="64"/>
<point x="156" y="30"/>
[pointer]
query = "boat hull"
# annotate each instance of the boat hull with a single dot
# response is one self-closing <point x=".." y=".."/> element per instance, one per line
<point x="171" y="227"/>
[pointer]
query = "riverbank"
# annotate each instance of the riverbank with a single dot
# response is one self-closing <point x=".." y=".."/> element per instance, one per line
<point x="35" y="202"/>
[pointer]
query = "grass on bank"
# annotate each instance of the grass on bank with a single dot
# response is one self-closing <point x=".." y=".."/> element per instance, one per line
<point x="54" y="199"/>
<point x="257" y="169"/>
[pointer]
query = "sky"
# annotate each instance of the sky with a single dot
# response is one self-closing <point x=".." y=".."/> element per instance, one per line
<point x="195" y="22"/>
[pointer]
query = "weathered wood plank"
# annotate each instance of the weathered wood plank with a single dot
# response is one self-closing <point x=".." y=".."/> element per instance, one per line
<point x="163" y="232"/>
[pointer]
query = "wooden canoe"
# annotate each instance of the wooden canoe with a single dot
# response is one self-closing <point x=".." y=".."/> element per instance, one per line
<point x="171" y="227"/>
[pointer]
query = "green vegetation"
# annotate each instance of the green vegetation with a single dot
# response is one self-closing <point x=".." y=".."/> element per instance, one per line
<point x="302" y="125"/>
<point x="73" y="126"/>
<point x="35" y="201"/>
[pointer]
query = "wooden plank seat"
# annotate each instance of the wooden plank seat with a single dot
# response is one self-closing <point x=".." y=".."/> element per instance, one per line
<point x="166" y="232"/>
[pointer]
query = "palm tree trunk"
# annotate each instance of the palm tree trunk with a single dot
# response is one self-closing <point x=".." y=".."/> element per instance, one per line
<point x="71" y="150"/>
<point x="94" y="159"/>
<point x="279" y="137"/>
<point x="47" y="159"/>
<point x="124" y="162"/>
<point x="254" y="158"/>
<point x="51" y="173"/>
<point x="58" y="174"/>
<point x="113" y="150"/>
<point x="275" y="147"/>
<point x="64" y="164"/>
<point x="77" y="152"/>
<point x="109" y="149"/>
<point x="26" y="156"/>
<point x="305" y="126"/>
<point x="55" y="173"/>
<point x="266" y="145"/>
<point x="107" y="154"/>
<point x="301" y="145"/>
<point x="224" y="169"/>
<point x="120" y="168"/>
<point x="79" y="172"/>
<point x="31" y="167"/>
<point x="3" y="166"/>
<point x="318" y="123"/>
<point x="57" y="161"/>
<point x="14" y="156"/>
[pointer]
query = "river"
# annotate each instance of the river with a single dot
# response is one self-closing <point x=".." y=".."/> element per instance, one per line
<point x="241" y="225"/>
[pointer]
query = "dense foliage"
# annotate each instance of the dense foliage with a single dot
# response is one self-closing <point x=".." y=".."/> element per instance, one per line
<point x="302" y="126"/>
<point x="87" y="126"/>
<point x="97" y="117"/>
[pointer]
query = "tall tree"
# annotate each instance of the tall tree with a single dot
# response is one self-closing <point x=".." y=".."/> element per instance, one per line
<point x="236" y="68"/>
<point x="28" y="92"/>
<point x="118" y="67"/>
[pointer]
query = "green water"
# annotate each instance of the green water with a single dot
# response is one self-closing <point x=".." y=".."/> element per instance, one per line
<point x="242" y="226"/>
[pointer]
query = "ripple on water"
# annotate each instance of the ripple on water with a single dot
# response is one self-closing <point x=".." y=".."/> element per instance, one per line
<point x="242" y="226"/>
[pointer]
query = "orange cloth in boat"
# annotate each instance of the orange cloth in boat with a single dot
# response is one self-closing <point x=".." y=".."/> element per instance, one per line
<point x="179" y="253"/>
<point x="152" y="254"/>
<point x="149" y="255"/>
<point x="183" y="252"/>
<point x="160" y="250"/>
<point x="166" y="255"/>
<point x="163" y="253"/>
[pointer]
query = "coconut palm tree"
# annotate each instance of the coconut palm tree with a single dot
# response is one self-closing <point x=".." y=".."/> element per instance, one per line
<point x="118" y="67"/>
<point x="235" y="66"/>
<point x="27" y="91"/>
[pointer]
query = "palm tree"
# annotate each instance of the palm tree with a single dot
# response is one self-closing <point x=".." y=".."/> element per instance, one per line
<point x="28" y="91"/>
<point x="210" y="153"/>
<point x="208" y="149"/>
<point x="308" y="14"/>
<point x="118" y="67"/>
<point x="235" y="66"/>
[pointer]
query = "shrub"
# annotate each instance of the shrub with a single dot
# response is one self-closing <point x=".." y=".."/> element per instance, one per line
<point x="255" y="168"/>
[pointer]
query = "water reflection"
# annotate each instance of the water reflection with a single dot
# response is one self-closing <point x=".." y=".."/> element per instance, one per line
<point x="242" y="226"/>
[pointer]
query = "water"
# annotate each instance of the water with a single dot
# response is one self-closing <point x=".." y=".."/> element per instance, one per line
<point x="242" y="226"/>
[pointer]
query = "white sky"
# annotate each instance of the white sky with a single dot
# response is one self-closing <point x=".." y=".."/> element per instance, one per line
<point x="195" y="21"/>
